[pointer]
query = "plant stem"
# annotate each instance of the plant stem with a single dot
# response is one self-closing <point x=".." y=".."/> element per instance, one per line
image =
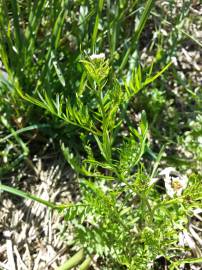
<point x="86" y="264"/>
<point x="73" y="261"/>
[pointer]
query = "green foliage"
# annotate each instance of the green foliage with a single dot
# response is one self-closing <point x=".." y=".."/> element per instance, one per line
<point x="193" y="138"/>
<point x="56" y="78"/>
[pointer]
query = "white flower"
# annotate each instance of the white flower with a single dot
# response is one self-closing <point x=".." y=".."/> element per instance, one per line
<point x="97" y="56"/>
<point x="174" y="182"/>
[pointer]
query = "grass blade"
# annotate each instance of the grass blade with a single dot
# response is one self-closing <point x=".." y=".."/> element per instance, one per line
<point x="86" y="264"/>
<point x="16" y="25"/>
<point x="22" y="130"/>
<point x="192" y="38"/>
<point x="26" y="195"/>
<point x="73" y="261"/>
<point x="137" y="33"/>
<point x="95" y="29"/>
<point x="151" y="79"/>
<point x="34" y="22"/>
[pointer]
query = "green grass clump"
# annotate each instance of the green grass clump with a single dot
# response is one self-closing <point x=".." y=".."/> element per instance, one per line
<point x="76" y="73"/>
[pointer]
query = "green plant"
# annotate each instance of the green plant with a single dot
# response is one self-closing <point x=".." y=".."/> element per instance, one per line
<point x="121" y="216"/>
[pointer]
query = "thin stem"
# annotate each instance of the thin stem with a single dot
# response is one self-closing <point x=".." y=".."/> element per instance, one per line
<point x="73" y="261"/>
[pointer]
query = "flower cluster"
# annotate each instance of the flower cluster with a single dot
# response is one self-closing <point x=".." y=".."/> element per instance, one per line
<point x="100" y="56"/>
<point x="97" y="68"/>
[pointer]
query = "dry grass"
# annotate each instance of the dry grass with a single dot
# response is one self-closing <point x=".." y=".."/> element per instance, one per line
<point x="31" y="233"/>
